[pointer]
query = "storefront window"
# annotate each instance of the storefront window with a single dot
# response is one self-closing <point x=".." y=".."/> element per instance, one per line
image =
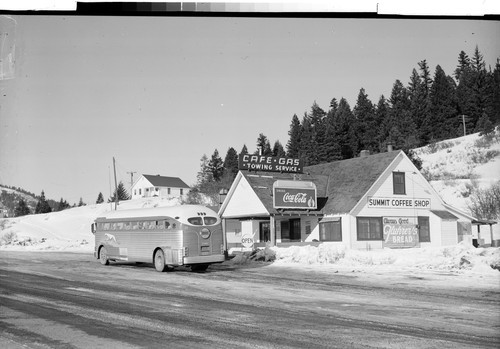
<point x="369" y="228"/>
<point x="398" y="181"/>
<point x="424" y="229"/>
<point x="330" y="231"/>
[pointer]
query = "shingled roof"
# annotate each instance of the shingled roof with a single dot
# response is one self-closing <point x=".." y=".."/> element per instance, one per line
<point x="340" y="184"/>
<point x="169" y="182"/>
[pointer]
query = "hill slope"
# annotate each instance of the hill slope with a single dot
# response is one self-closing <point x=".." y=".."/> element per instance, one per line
<point x="457" y="167"/>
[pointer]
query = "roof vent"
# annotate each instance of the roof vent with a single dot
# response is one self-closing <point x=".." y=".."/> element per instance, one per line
<point x="364" y="153"/>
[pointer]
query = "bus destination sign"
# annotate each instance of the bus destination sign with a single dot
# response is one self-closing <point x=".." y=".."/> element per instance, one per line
<point x="269" y="163"/>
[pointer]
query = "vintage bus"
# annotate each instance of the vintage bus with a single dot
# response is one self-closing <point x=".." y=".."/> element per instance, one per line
<point x="189" y="235"/>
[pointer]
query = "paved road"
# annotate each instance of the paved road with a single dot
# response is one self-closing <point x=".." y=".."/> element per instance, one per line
<point x="68" y="300"/>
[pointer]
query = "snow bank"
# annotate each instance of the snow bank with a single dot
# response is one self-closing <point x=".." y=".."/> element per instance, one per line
<point x="459" y="258"/>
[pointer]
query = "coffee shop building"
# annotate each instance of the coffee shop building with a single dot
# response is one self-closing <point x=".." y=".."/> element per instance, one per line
<point x="369" y="202"/>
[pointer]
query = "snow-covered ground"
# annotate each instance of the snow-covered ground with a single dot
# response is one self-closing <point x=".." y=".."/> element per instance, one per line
<point x="450" y="164"/>
<point x="456" y="166"/>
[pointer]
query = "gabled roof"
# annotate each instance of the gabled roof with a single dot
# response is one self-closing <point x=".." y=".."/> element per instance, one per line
<point x="162" y="181"/>
<point x="340" y="184"/>
<point x="349" y="180"/>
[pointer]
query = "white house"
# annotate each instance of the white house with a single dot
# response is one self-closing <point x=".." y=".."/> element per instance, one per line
<point x="370" y="202"/>
<point x="159" y="186"/>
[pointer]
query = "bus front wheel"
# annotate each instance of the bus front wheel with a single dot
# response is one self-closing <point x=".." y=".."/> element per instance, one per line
<point x="159" y="261"/>
<point x="103" y="256"/>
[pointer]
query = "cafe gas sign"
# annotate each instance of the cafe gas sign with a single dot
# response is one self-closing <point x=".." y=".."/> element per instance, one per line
<point x="400" y="232"/>
<point x="269" y="163"/>
<point x="294" y="195"/>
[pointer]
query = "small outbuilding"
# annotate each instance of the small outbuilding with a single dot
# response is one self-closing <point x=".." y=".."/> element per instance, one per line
<point x="370" y="202"/>
<point x="159" y="186"/>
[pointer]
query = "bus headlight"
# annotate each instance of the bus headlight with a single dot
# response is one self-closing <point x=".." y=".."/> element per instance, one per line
<point x="205" y="233"/>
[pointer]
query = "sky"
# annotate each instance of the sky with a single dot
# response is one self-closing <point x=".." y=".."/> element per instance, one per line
<point x="157" y="93"/>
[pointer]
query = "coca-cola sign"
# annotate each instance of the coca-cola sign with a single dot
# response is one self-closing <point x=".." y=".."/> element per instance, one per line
<point x="294" y="195"/>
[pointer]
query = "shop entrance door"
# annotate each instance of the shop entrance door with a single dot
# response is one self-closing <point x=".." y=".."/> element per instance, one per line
<point x="264" y="231"/>
<point x="294" y="227"/>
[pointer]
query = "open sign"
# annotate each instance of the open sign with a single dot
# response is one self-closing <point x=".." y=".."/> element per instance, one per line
<point x="247" y="241"/>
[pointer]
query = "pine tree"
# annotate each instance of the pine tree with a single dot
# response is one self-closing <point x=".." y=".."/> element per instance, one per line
<point x="425" y="76"/>
<point x="100" y="199"/>
<point x="366" y="130"/>
<point x="21" y="209"/>
<point x="419" y="104"/>
<point x="278" y="150"/>
<point x="216" y="166"/>
<point x="442" y="122"/>
<point x="62" y="205"/>
<point x="479" y="85"/>
<point x="121" y="192"/>
<point x="244" y="150"/>
<point x="463" y="65"/>
<point x="344" y="130"/>
<point x="231" y="162"/>
<point x="204" y="175"/>
<point x="81" y="203"/>
<point x="42" y="205"/>
<point x="306" y="141"/>
<point x="318" y="151"/>
<point x="293" y="144"/>
<point x="331" y="145"/>
<point x="484" y="125"/>
<point x="493" y="106"/>
<point x="403" y="132"/>
<point x="263" y="145"/>
<point x="384" y="117"/>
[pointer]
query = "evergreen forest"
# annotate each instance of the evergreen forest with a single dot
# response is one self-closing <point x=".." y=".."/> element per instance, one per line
<point x="428" y="108"/>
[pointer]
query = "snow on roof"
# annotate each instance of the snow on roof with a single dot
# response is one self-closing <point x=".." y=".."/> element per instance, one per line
<point x="162" y="181"/>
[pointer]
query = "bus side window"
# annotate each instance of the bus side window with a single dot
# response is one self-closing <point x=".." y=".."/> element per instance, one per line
<point x="105" y="226"/>
<point x="160" y="225"/>
<point x="134" y="225"/>
<point x="141" y="225"/>
<point x="167" y="225"/>
<point x="119" y="226"/>
<point x="126" y="225"/>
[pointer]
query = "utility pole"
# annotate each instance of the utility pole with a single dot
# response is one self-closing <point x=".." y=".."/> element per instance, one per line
<point x="131" y="179"/>
<point x="463" y="121"/>
<point x="116" y="185"/>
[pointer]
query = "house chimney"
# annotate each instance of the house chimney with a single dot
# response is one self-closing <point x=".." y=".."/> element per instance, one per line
<point x="364" y="153"/>
<point x="389" y="147"/>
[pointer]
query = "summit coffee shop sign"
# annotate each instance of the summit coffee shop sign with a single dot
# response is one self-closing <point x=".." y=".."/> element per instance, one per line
<point x="269" y="163"/>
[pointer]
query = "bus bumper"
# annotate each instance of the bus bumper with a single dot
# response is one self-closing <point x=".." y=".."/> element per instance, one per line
<point x="219" y="258"/>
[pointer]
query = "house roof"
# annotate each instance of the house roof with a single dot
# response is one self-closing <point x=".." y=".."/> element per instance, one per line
<point x="349" y="180"/>
<point x="340" y="184"/>
<point x="162" y="181"/>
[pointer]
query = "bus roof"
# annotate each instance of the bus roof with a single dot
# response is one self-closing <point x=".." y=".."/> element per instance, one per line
<point x="180" y="212"/>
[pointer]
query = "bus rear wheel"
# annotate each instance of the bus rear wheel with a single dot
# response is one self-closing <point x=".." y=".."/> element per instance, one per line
<point x="103" y="256"/>
<point x="159" y="261"/>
